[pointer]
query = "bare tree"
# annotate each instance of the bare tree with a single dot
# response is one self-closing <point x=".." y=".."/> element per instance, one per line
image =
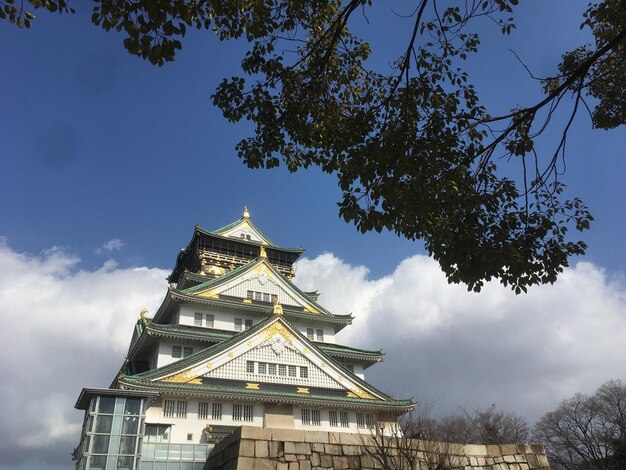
<point x="587" y="432"/>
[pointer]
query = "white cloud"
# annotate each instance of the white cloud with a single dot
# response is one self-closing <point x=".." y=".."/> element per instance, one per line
<point x="63" y="328"/>
<point x="112" y="245"/>
<point x="524" y="353"/>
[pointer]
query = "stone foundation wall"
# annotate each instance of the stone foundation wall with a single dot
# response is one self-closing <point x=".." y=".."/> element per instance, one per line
<point x="251" y="448"/>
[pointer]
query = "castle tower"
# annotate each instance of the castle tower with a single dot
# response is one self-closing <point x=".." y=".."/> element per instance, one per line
<point x="234" y="342"/>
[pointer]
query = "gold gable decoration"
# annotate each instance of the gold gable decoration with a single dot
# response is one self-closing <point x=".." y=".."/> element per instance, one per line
<point x="186" y="376"/>
<point x="277" y="328"/>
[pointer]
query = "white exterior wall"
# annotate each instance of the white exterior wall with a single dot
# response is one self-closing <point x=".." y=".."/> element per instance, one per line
<point x="194" y="425"/>
<point x="222" y="320"/>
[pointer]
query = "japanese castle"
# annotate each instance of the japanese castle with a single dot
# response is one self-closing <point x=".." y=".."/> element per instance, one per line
<point x="234" y="343"/>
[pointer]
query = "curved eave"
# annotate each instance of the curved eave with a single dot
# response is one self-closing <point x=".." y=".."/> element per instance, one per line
<point x="225" y="393"/>
<point x="266" y="243"/>
<point x="264" y="310"/>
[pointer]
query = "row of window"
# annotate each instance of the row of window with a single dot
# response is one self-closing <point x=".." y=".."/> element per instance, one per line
<point x="181" y="351"/>
<point x="336" y="419"/>
<point x="241" y="324"/>
<point x="312" y="334"/>
<point x="204" y="319"/>
<point x="261" y="296"/>
<point x="206" y="410"/>
<point x="270" y="368"/>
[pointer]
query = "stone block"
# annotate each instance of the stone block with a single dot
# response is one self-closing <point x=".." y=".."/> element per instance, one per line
<point x="316" y="436"/>
<point x="509" y="458"/>
<point x="475" y="450"/>
<point x="354" y="461"/>
<point x="533" y="461"/>
<point x="317" y="447"/>
<point x="350" y="439"/>
<point x="537" y="449"/>
<point x="473" y="461"/>
<point x="246" y="448"/>
<point x="326" y="460"/>
<point x="523" y="448"/>
<point x="251" y="432"/>
<point x="333" y="437"/>
<point x="261" y="449"/>
<point x="351" y="450"/>
<point x="290" y="457"/>
<point x="250" y="463"/>
<point x="294" y="466"/>
<point x="282" y="466"/>
<point x="288" y="435"/>
<point x="520" y="458"/>
<point x="333" y="449"/>
<point x="315" y="459"/>
<point x="340" y="462"/>
<point x="494" y="451"/>
<point x="543" y="460"/>
<point x="305" y="465"/>
<point x="297" y="448"/>
<point x="276" y="449"/>
<point x="508" y="449"/>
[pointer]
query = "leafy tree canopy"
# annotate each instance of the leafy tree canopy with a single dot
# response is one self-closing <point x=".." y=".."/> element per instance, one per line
<point x="413" y="148"/>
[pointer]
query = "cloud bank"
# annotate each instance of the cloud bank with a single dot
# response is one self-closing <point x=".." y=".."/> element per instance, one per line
<point x="443" y="344"/>
<point x="65" y="328"/>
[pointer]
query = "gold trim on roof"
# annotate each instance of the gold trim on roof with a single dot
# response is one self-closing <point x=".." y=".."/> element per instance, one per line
<point x="278" y="309"/>
<point x="251" y="386"/>
<point x="277" y="328"/>
<point x="246" y="214"/>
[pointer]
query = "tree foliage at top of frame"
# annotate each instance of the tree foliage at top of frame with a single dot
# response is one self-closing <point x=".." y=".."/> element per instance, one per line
<point x="413" y="149"/>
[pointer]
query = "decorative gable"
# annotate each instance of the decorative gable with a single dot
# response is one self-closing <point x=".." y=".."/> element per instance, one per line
<point x="246" y="231"/>
<point x="274" y="344"/>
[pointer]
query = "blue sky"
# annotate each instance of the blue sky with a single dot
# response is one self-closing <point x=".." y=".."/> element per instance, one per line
<point x="98" y="146"/>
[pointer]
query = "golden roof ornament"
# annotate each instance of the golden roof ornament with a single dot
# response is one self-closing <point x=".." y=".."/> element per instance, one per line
<point x="278" y="309"/>
<point x="246" y="214"/>
<point x="143" y="312"/>
<point x="262" y="252"/>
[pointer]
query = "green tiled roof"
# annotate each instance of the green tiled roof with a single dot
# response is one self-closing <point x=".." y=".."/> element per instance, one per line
<point x="242" y="269"/>
<point x="170" y="369"/>
<point x="268" y="242"/>
<point x="211" y="335"/>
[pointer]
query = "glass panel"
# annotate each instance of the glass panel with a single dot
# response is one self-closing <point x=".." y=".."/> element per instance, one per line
<point x="106" y="405"/>
<point x="160" y="465"/>
<point x="187" y="452"/>
<point x="174" y="453"/>
<point x="92" y="405"/>
<point x="89" y="423"/>
<point x="129" y="426"/>
<point x="100" y="444"/>
<point x="113" y="447"/>
<point x="161" y="452"/>
<point x="117" y="424"/>
<point x="119" y="405"/>
<point x="133" y="406"/>
<point x="127" y="445"/>
<point x="125" y="463"/>
<point x="104" y="423"/>
<point x="148" y="451"/>
<point x="98" y="461"/>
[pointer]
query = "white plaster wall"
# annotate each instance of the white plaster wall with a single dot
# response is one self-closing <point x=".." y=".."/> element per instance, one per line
<point x="164" y="353"/>
<point x="222" y="320"/>
<point x="194" y="425"/>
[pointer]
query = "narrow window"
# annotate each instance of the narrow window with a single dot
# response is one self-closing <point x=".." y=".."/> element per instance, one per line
<point x="370" y="421"/>
<point x="189" y="437"/>
<point x="315" y="418"/>
<point x="292" y="371"/>
<point x="203" y="410"/>
<point x="250" y="295"/>
<point x="320" y="335"/>
<point x="177" y="351"/>
<point x="237" y="412"/>
<point x="271" y="369"/>
<point x="343" y="419"/>
<point x="181" y="409"/>
<point x="258" y="296"/>
<point x="238" y="324"/>
<point x="274" y="297"/>
<point x="332" y="418"/>
<point x="216" y="412"/>
<point x="263" y="368"/>
<point x="250" y="367"/>
<point x="266" y="297"/>
<point x="197" y="319"/>
<point x="304" y="372"/>
<point x="310" y="334"/>
<point x="169" y="407"/>
<point x="306" y="417"/>
<point x="209" y="320"/>
<point x="248" y="412"/>
<point x="248" y="324"/>
<point x="360" y="420"/>
<point x="187" y="351"/>
<point x="282" y="369"/>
